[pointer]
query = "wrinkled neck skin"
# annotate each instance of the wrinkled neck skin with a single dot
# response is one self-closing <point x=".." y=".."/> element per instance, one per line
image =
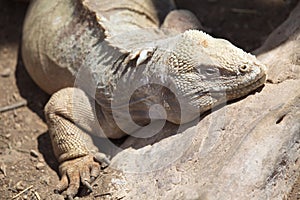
<point x="155" y="84"/>
<point x="177" y="106"/>
<point x="127" y="88"/>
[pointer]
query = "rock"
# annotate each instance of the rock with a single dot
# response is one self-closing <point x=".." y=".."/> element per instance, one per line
<point x="5" y="72"/>
<point x="20" y="186"/>
<point x="283" y="43"/>
<point x="34" y="153"/>
<point x="40" y="165"/>
<point x="17" y="126"/>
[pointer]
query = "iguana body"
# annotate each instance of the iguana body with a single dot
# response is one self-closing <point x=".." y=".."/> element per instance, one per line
<point x="123" y="56"/>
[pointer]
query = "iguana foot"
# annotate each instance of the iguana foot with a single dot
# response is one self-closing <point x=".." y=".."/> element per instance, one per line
<point x="82" y="170"/>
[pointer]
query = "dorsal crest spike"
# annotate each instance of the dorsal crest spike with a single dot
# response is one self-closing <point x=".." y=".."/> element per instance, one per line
<point x="144" y="55"/>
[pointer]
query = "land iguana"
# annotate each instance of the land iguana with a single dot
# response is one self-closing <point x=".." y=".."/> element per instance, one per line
<point x="102" y="59"/>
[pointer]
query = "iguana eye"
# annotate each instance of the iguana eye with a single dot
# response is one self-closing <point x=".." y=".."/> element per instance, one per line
<point x="209" y="71"/>
<point x="244" y="68"/>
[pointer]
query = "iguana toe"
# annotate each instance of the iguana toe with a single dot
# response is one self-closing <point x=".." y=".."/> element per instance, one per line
<point x="74" y="181"/>
<point x="62" y="185"/>
<point x="102" y="158"/>
<point x="83" y="170"/>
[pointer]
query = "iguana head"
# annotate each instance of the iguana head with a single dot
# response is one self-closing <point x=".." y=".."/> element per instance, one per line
<point x="207" y="71"/>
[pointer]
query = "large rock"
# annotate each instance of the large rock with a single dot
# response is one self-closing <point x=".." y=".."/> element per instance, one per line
<point x="248" y="149"/>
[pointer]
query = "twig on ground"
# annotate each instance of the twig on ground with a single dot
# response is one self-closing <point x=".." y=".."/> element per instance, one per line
<point x="13" y="106"/>
<point x="22" y="192"/>
<point x="37" y="195"/>
<point x="102" y="195"/>
<point x="3" y="169"/>
<point x="22" y="150"/>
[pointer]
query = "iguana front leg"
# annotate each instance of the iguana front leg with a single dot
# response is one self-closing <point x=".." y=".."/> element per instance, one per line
<point x="70" y="117"/>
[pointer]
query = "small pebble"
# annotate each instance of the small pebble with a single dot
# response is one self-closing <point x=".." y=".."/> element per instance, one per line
<point x="6" y="72"/>
<point x="40" y="165"/>
<point x="3" y="169"/>
<point x="18" y="144"/>
<point x="17" y="126"/>
<point x="34" y="153"/>
<point x="15" y="96"/>
<point x="19" y="186"/>
<point x="40" y="159"/>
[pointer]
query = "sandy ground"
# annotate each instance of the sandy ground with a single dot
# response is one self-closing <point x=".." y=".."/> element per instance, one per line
<point x="28" y="169"/>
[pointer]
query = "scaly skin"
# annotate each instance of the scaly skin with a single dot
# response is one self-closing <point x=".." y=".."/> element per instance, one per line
<point x="69" y="45"/>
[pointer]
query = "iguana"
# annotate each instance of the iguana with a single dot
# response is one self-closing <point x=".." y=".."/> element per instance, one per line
<point x="102" y="60"/>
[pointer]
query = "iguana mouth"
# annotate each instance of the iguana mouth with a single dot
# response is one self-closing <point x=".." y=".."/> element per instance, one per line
<point x="234" y="92"/>
<point x="245" y="89"/>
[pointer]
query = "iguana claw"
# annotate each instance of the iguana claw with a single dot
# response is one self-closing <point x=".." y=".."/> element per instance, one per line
<point x="82" y="170"/>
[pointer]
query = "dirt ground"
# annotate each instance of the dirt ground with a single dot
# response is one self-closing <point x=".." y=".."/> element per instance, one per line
<point x="28" y="169"/>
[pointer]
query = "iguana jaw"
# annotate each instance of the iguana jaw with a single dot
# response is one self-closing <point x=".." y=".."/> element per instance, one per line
<point x="243" y="90"/>
<point x="240" y="89"/>
<point x="193" y="106"/>
<point x="218" y="93"/>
